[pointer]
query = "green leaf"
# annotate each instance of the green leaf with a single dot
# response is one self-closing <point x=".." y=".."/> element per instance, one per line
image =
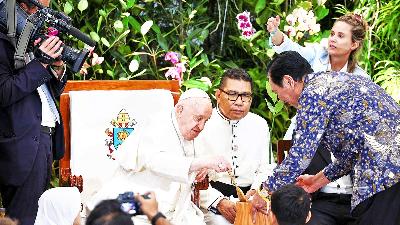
<point x="271" y="94"/>
<point x="123" y="4"/>
<point x="231" y="64"/>
<point x="270" y="53"/>
<point x="94" y="36"/>
<point x="188" y="49"/>
<point x="130" y="3"/>
<point x="99" y="22"/>
<point x="134" y="23"/>
<point x="204" y="57"/>
<point x="195" y="84"/>
<point x="271" y="107"/>
<point x="260" y="6"/>
<point x="110" y="73"/>
<point x="321" y="12"/>
<point x="192" y="66"/>
<point x="279" y="106"/>
<point x="68" y="7"/>
<point x="277" y="2"/>
<point x="102" y="13"/>
<point x="82" y="5"/>
<point x="162" y="42"/>
<point x="105" y="42"/>
<point x="305" y="5"/>
<point x="156" y="28"/>
<point x="119" y="27"/>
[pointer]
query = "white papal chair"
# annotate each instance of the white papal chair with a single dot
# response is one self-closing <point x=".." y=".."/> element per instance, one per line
<point x="98" y="116"/>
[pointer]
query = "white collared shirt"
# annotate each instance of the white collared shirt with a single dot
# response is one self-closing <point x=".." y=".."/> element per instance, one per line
<point x="48" y="117"/>
<point x="244" y="143"/>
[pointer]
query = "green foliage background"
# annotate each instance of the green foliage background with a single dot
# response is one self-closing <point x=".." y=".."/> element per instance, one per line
<point x="205" y="34"/>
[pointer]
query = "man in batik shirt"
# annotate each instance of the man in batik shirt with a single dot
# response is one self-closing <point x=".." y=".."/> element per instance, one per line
<point x="354" y="119"/>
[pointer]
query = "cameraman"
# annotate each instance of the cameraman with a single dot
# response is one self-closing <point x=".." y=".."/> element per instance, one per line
<point x="149" y="207"/>
<point x="31" y="133"/>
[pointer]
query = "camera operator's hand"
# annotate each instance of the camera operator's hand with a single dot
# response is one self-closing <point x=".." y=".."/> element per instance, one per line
<point x="49" y="50"/>
<point x="148" y="206"/>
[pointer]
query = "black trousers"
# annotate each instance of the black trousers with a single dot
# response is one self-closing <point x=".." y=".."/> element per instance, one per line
<point x="382" y="208"/>
<point x="21" y="202"/>
<point x="331" y="209"/>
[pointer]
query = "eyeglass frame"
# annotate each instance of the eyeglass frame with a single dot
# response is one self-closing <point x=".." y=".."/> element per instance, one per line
<point x="245" y="94"/>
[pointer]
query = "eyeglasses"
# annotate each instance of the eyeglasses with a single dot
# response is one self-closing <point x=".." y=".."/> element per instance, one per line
<point x="233" y="96"/>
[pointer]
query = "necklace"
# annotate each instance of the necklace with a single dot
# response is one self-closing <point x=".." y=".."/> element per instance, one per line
<point x="181" y="142"/>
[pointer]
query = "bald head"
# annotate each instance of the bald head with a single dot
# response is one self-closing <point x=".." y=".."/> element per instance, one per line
<point x="193" y="110"/>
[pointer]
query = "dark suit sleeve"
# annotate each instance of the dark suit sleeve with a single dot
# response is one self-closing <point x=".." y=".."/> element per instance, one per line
<point x="15" y="85"/>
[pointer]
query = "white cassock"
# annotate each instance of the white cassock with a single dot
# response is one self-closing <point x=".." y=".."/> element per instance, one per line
<point x="246" y="144"/>
<point x="162" y="161"/>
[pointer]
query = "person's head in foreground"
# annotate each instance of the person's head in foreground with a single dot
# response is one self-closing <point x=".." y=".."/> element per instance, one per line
<point x="286" y="73"/>
<point x="8" y="221"/>
<point x="291" y="205"/>
<point x="61" y="206"/>
<point x="193" y="110"/>
<point x="234" y="94"/>
<point x="108" y="212"/>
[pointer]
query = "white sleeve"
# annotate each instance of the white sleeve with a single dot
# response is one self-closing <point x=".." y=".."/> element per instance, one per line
<point x="291" y="128"/>
<point x="309" y="52"/>
<point x="210" y="197"/>
<point x="165" y="160"/>
<point x="267" y="162"/>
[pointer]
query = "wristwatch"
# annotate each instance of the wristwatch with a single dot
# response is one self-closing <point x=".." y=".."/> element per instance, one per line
<point x="156" y="217"/>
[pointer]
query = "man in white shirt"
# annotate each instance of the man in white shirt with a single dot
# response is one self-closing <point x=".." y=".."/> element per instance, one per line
<point x="167" y="162"/>
<point x="241" y="136"/>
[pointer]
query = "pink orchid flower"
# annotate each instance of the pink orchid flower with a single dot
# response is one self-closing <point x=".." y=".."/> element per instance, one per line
<point x="180" y="67"/>
<point x="244" y="16"/>
<point x="173" y="73"/>
<point x="96" y="60"/>
<point x="248" y="33"/>
<point x="172" y="56"/>
<point x="244" y="25"/>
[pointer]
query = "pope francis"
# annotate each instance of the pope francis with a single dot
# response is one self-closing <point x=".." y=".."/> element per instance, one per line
<point x="166" y="161"/>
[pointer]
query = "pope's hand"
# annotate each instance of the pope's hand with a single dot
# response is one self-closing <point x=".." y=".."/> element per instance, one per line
<point x="227" y="210"/>
<point x="217" y="163"/>
<point x="201" y="175"/>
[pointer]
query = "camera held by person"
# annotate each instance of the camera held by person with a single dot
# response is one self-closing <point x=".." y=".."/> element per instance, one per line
<point x="44" y="23"/>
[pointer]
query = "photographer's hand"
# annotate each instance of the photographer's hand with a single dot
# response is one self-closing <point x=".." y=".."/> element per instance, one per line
<point x="50" y="47"/>
<point x="148" y="206"/>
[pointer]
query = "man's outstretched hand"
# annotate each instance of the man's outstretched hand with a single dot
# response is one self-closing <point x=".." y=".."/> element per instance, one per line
<point x="259" y="205"/>
<point x="311" y="183"/>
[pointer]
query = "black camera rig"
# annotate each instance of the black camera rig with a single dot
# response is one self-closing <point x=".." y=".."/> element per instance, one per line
<point x="27" y="28"/>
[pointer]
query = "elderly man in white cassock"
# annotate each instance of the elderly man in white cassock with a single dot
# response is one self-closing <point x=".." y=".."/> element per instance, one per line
<point x="166" y="161"/>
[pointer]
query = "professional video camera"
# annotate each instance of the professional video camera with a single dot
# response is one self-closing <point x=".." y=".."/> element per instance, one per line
<point x="46" y="22"/>
<point x="129" y="204"/>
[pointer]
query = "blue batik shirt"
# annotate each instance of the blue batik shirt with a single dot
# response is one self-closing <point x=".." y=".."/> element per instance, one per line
<point x="357" y="121"/>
